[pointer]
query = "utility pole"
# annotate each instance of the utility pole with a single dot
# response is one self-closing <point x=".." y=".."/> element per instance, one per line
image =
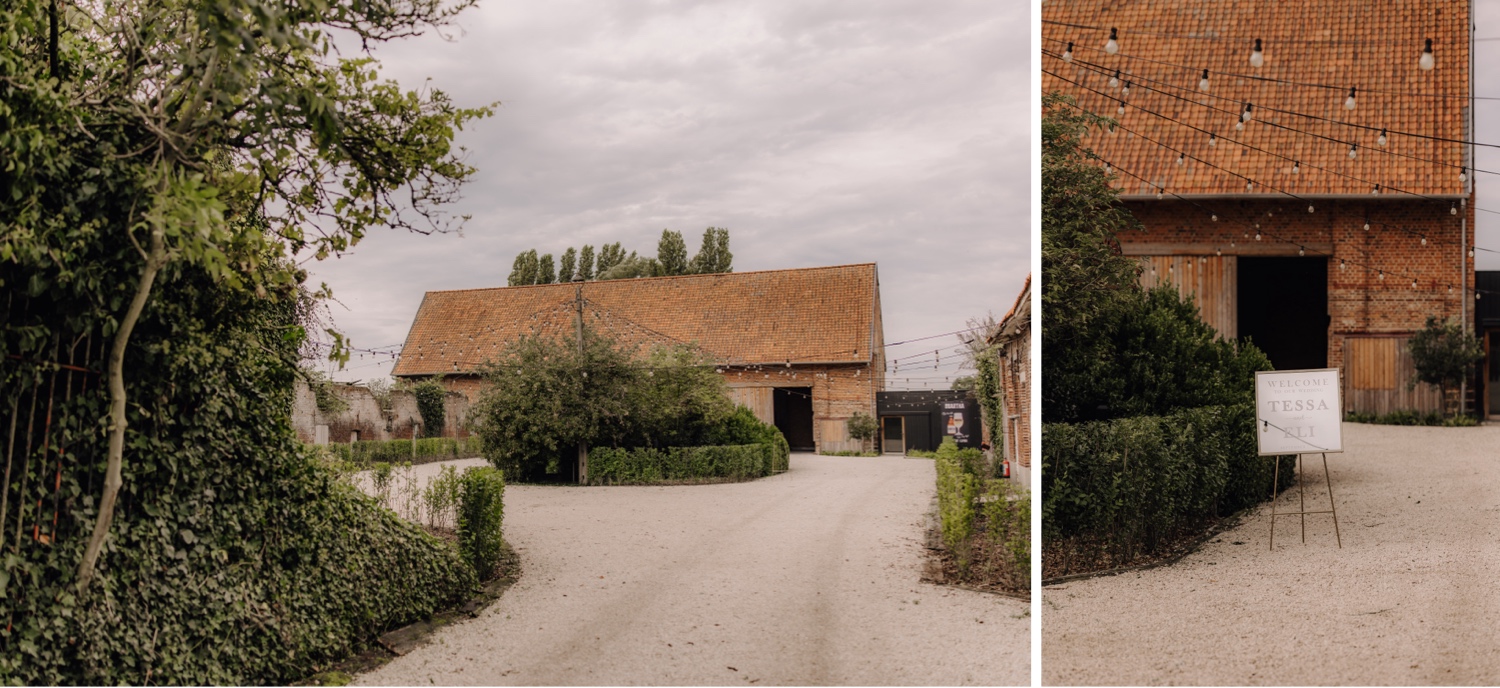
<point x="583" y="447"/>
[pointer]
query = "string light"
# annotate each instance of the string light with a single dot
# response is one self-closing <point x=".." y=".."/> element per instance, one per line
<point x="1297" y="167"/>
<point x="1453" y="209"/>
<point x="1121" y="109"/>
<point x="1257" y="56"/>
<point x="1380" y="140"/>
<point x="1067" y="55"/>
<point x="1112" y="46"/>
<point x="1181" y="159"/>
<point x="1214" y="217"/>
<point x="1353" y="151"/>
<point x="1342" y="266"/>
<point x="1309" y="208"/>
<point x="1426" y="61"/>
<point x="1382" y="275"/>
<point x="1125" y="91"/>
<point x="1463" y="174"/>
<point x="1114" y="81"/>
<point x="1203" y="82"/>
<point x="1349" y="102"/>
<point x="1212" y="141"/>
<point x="1300" y="251"/>
<point x="1245" y="116"/>
<point x="1424" y="241"/>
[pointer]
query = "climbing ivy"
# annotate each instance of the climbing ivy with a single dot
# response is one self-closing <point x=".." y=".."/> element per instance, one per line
<point x="432" y="404"/>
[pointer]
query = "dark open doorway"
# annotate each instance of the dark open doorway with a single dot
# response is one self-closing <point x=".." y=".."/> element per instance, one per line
<point x="794" y="416"/>
<point x="1283" y="309"/>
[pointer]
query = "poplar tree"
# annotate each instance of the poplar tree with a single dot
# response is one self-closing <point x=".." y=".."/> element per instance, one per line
<point x="545" y="273"/>
<point x="671" y="253"/>
<point x="568" y="264"/>
<point x="586" y="262"/>
<point x="713" y="254"/>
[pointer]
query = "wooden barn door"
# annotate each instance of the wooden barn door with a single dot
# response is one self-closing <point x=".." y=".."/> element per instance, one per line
<point x="1210" y="280"/>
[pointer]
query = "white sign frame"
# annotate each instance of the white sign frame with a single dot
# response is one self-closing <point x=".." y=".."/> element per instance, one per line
<point x="1299" y="411"/>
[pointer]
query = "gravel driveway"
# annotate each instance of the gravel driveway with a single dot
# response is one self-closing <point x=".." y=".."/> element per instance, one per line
<point x="1410" y="599"/>
<point x="808" y="577"/>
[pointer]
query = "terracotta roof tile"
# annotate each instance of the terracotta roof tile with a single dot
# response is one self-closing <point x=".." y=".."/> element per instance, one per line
<point x="806" y="315"/>
<point x="1165" y="45"/>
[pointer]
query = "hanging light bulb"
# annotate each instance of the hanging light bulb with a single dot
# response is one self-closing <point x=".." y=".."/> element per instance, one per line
<point x="1309" y="208"/>
<point x="1353" y="151"/>
<point x="1257" y="56"/>
<point x="1106" y="168"/>
<point x="1424" y="241"/>
<point x="1125" y="91"/>
<point x="1114" y="81"/>
<point x="1112" y="46"/>
<point x="1349" y="102"/>
<point x="1213" y="141"/>
<point x="1218" y="252"/>
<point x="1158" y="193"/>
<point x="1426" y="61"/>
<point x="1382" y="275"/>
<point x="1367" y="225"/>
<point x="1203" y="82"/>
<point x="1375" y="190"/>
<point x="1249" y="185"/>
<point x="1450" y="289"/>
<point x="1068" y="54"/>
<point x="1413" y="283"/>
<point x="1245" y="116"/>
<point x="1297" y="167"/>
<point x="1453" y="209"/>
<point x="1471" y="252"/>
<point x="1257" y="235"/>
<point x="1342" y="266"/>
<point x="1215" y="217"/>
<point x="1380" y="140"/>
<point x="1121" y="109"/>
<point x="1181" y="159"/>
<point x="1301" y="251"/>
<point x="1463" y="174"/>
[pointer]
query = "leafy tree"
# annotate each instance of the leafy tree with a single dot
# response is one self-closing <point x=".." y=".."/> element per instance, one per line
<point x="209" y="136"/>
<point x="568" y="264"/>
<point x="545" y="273"/>
<point x="863" y="428"/>
<point x="1444" y="355"/>
<point x="610" y="255"/>
<point x="525" y="270"/>
<point x="671" y="253"/>
<point x="586" y="262"/>
<point x="713" y="255"/>
<point x="633" y="266"/>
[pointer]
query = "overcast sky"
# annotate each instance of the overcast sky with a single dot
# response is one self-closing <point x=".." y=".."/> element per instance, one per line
<point x="1487" y="130"/>
<point x="818" y="133"/>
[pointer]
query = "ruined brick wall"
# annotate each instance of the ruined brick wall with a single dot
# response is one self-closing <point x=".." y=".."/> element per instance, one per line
<point x="365" y="416"/>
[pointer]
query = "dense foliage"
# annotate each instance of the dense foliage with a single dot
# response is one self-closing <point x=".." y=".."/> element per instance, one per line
<point x="985" y="523"/>
<point x="546" y="396"/>
<point x="648" y="465"/>
<point x="1444" y="355"/>
<point x="1124" y="488"/>
<point x="432" y="405"/>
<point x="613" y="263"/>
<point x="863" y="427"/>
<point x="160" y="163"/>
<point x="480" y="514"/>
<point x="366" y="452"/>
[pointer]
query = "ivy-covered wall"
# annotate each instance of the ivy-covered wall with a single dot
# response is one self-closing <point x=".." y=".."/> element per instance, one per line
<point x="233" y="557"/>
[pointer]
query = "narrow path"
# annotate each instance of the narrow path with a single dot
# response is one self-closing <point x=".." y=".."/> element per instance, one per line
<point x="1409" y="600"/>
<point x="808" y="577"/>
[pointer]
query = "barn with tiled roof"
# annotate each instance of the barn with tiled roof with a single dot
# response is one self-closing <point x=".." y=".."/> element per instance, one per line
<point x="802" y="348"/>
<point x="1300" y="168"/>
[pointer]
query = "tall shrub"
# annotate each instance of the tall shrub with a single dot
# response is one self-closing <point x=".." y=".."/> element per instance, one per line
<point x="480" y="515"/>
<point x="1444" y="355"/>
<point x="432" y="404"/>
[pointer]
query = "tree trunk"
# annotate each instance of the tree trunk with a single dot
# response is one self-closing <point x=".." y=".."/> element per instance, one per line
<point x="155" y="259"/>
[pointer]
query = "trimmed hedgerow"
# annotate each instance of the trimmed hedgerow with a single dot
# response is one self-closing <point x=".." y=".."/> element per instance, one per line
<point x="985" y="523"/>
<point x="645" y="465"/>
<point x="1130" y="485"/>
<point x="480" y="513"/>
<point x="428" y="450"/>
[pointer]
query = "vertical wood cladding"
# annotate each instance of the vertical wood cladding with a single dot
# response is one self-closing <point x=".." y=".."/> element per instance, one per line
<point x="1361" y="302"/>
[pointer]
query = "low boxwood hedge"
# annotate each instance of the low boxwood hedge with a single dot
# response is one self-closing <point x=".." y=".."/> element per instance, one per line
<point x="428" y="450"/>
<point x="1133" y="483"/>
<point x="645" y="465"/>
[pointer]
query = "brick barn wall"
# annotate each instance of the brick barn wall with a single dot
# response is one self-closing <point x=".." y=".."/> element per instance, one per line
<point x="838" y="392"/>
<point x="1359" y="302"/>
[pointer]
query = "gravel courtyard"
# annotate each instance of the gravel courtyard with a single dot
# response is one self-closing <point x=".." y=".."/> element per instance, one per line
<point x="808" y="577"/>
<point x="1410" y="599"/>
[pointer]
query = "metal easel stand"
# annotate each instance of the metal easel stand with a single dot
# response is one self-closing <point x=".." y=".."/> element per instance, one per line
<point x="1302" y="500"/>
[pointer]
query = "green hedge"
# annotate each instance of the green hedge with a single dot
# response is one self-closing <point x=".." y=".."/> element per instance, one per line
<point x="646" y="465"/>
<point x="480" y="513"/>
<point x="1132" y="483"/>
<point x="367" y="452"/>
<point x="985" y="522"/>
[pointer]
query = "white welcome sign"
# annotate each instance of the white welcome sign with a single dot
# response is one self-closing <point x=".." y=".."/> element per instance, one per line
<point x="1298" y="411"/>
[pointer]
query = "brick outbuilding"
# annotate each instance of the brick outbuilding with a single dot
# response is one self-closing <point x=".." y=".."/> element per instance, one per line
<point x="804" y="349"/>
<point x="1324" y="234"/>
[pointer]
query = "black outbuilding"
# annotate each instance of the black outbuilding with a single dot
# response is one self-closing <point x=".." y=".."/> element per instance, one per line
<point x="920" y="420"/>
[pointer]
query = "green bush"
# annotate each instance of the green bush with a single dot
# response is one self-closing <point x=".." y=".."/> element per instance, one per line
<point x="1132" y="483"/>
<point x="849" y="453"/>
<point x="956" y="491"/>
<point x="742" y="427"/>
<point x="1007" y="517"/>
<point x="1412" y="418"/>
<point x="441" y="498"/>
<point x="432" y="403"/>
<point x="480" y="514"/>
<point x="647" y="465"/>
<point x="430" y="449"/>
